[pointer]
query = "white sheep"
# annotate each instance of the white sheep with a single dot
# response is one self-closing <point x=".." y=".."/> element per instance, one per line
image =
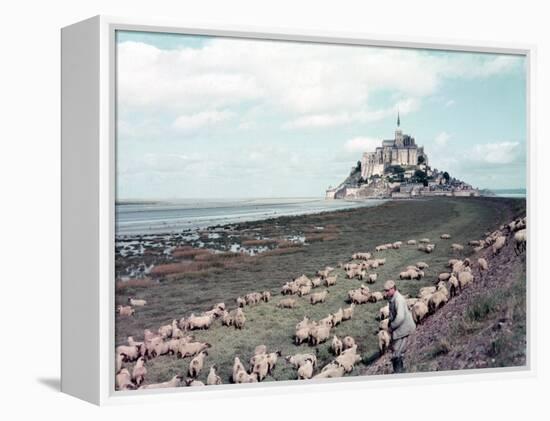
<point x="520" y="241"/>
<point x="348" y="342"/>
<point x="213" y="378"/>
<point x="383" y="341"/>
<point x="336" y="345"/>
<point x="348" y="358"/>
<point x="126" y="310"/>
<point x="445" y="236"/>
<point x="305" y="371"/>
<point x="372" y="278"/>
<point x="419" y="311"/>
<point x="192" y="348"/>
<point x="139" y="371"/>
<point x="266" y="296"/>
<point x="319" y="334"/>
<point x="239" y="318"/>
<point x="331" y="370"/>
<point x="298" y="360"/>
<point x="241" y="302"/>
<point x="348" y="312"/>
<point x="384" y="312"/>
<point x="287" y="303"/>
<point x="124" y="380"/>
<point x="337" y="317"/>
<point x="196" y="364"/>
<point x="318" y="297"/>
<point x="499" y="243"/>
<point x="174" y="382"/>
<point x="137" y="302"/>
<point x="457" y="247"/>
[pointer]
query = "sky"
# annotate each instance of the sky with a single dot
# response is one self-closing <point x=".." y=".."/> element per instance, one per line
<point x="214" y="117"/>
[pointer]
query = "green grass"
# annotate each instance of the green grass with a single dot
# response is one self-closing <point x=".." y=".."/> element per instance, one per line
<point x="359" y="230"/>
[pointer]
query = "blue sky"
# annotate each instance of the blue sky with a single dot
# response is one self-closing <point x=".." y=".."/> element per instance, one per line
<point x="224" y="117"/>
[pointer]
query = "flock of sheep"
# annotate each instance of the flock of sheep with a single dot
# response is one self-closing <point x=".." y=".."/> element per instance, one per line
<point x="175" y="338"/>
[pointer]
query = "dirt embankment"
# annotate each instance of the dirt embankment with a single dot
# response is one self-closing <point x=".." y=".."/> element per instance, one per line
<point x="483" y="327"/>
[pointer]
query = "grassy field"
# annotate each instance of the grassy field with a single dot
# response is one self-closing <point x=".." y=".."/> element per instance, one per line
<point x="357" y="230"/>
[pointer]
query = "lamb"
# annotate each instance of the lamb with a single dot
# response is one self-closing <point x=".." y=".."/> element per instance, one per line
<point x="348" y="358"/>
<point x="498" y="244"/>
<point x="348" y="342"/>
<point x="287" y="303"/>
<point x="336" y="346"/>
<point x="239" y="319"/>
<point x="126" y="310"/>
<point x="411" y="242"/>
<point x="318" y="297"/>
<point x="383" y="341"/>
<point x="139" y="371"/>
<point x="372" y="278"/>
<point x="300" y="359"/>
<point x="174" y="382"/>
<point x="384" y="312"/>
<point x="266" y="296"/>
<point x="213" y="378"/>
<point x="190" y="349"/>
<point x="305" y="371"/>
<point x="319" y="334"/>
<point x="330" y="370"/>
<point x="445" y="236"/>
<point x="136" y="302"/>
<point x="196" y="364"/>
<point x="457" y="247"/>
<point x="520" y="241"/>
<point x="384" y="324"/>
<point x="338" y="317"/>
<point x="124" y="380"/>
<point x="419" y="311"/>
<point x="241" y="302"/>
<point x="348" y="312"/>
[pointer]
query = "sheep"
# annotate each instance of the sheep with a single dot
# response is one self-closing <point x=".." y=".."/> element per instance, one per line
<point x="304" y="290"/>
<point x="166" y="331"/>
<point x="213" y="378"/>
<point x="419" y="311"/>
<point x="383" y="341"/>
<point x="272" y="359"/>
<point x="445" y="236"/>
<point x="266" y="296"/>
<point x="132" y="342"/>
<point x="397" y="245"/>
<point x="411" y="302"/>
<point x="196" y="364"/>
<point x="193" y="382"/>
<point x="453" y="285"/>
<point x="301" y="335"/>
<point x="411" y="242"/>
<point x="384" y="324"/>
<point x="425" y="291"/>
<point x="298" y="360"/>
<point x="200" y="322"/>
<point x="520" y="241"/>
<point x="316" y="282"/>
<point x="482" y="265"/>
<point x="376" y="296"/>
<point x="237" y="368"/>
<point x="338" y="317"/>
<point x="136" y="302"/>
<point x="348" y="312"/>
<point x="130" y="352"/>
<point x="306" y="322"/>
<point x="319" y="334"/>
<point x="336" y="345"/>
<point x="498" y="244"/>
<point x="348" y="358"/>
<point x="119" y="360"/>
<point x="239" y="319"/>
<point x="139" y="371"/>
<point x="260" y="369"/>
<point x="352" y="273"/>
<point x="260" y="349"/>
<point x="330" y="370"/>
<point x="474" y="243"/>
<point x="357" y="297"/>
<point x="318" y="297"/>
<point x="227" y="319"/>
<point x="372" y="278"/>
<point x="305" y="371"/>
<point x="422" y="265"/>
<point x="424" y="240"/>
<point x="244" y="377"/>
<point x="348" y="342"/>
<point x="190" y="349"/>
<point x="174" y="382"/>
<point x="289" y="288"/>
<point x="302" y="280"/>
<point x="427" y="248"/>
<point x="452" y="262"/>
<point x="444" y="276"/>
<point x="174" y="344"/>
<point x="327" y="321"/>
<point x="241" y="302"/>
<point x="411" y="274"/>
<point x="126" y="310"/>
<point x="457" y="247"/>
<point x="464" y="279"/>
<point x="176" y="331"/>
<point x="287" y="303"/>
<point x="124" y="380"/>
<point x="384" y="312"/>
<point x="361" y="256"/>
<point x="437" y="300"/>
<point x="253" y="298"/>
<point x="380" y="262"/>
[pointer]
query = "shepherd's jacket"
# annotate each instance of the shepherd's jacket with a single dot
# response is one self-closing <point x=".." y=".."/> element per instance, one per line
<point x="401" y="321"/>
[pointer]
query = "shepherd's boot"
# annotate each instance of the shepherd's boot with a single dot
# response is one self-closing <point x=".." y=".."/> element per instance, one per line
<point x="397" y="363"/>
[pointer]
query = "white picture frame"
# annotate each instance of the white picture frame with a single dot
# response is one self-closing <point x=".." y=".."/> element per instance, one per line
<point x="88" y="192"/>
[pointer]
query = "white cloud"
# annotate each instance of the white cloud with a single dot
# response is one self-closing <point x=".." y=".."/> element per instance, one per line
<point x="442" y="139"/>
<point x="362" y="144"/>
<point x="192" y="122"/>
<point x="299" y="79"/>
<point x="497" y="153"/>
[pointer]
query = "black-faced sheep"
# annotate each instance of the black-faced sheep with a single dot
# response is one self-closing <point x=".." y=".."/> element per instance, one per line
<point x="124" y="380"/>
<point x="298" y="360"/>
<point x="139" y="371"/>
<point x="137" y="302"/>
<point x="348" y="342"/>
<point x="266" y="296"/>
<point x="520" y="241"/>
<point x="174" y="382"/>
<point x="192" y="348"/>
